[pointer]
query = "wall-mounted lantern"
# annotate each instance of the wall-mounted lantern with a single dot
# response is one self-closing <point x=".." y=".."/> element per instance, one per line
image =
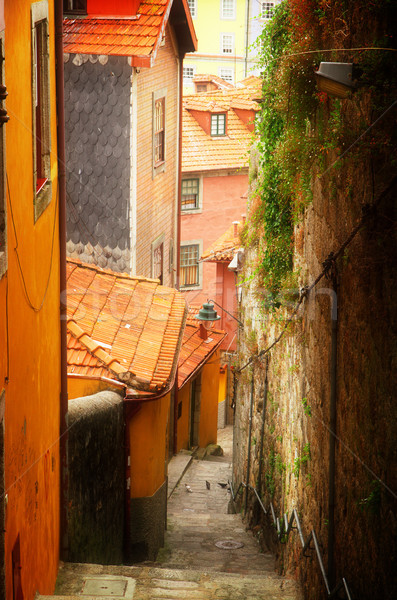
<point x="336" y="79"/>
<point x="207" y="315"/>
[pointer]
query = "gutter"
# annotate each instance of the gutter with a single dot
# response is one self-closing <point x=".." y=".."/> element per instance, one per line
<point x="62" y="276"/>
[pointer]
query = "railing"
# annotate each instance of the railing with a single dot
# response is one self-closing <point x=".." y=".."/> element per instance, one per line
<point x="284" y="526"/>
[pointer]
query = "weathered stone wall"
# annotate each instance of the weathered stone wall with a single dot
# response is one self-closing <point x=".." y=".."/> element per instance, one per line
<point x="96" y="479"/>
<point x="295" y="465"/>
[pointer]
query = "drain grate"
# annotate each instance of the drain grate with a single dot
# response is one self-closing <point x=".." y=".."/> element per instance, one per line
<point x="229" y="544"/>
<point x="109" y="587"/>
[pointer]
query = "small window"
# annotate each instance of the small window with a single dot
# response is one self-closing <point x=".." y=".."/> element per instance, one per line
<point x="189" y="272"/>
<point x="41" y="108"/>
<point x="159" y="131"/>
<point x="188" y="74"/>
<point x="193" y="7"/>
<point x="227" y="43"/>
<point x="190" y="194"/>
<point x="75" y="6"/>
<point x="201" y="87"/>
<point x="267" y="10"/>
<point x="218" y="124"/>
<point x="158" y="259"/>
<point x="228" y="9"/>
<point x="226" y="75"/>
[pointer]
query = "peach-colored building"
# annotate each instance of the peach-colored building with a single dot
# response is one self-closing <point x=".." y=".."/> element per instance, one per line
<point x="217" y="132"/>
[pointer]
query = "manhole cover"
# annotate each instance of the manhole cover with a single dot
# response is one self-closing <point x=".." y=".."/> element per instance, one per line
<point x="109" y="587"/>
<point x="228" y="544"/>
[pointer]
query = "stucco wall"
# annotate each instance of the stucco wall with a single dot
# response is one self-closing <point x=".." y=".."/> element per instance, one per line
<point x="209" y="401"/>
<point x="96" y="479"/>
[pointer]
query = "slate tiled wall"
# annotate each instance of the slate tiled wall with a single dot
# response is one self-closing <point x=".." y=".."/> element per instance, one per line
<point x="97" y="123"/>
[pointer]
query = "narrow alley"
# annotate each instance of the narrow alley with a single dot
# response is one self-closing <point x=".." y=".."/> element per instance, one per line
<point x="208" y="554"/>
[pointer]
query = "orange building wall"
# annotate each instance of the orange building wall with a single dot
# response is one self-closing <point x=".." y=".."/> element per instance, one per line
<point x="156" y="197"/>
<point x="183" y="423"/>
<point x="209" y="401"/>
<point x="32" y="390"/>
<point x="222" y="203"/>
<point x="78" y="387"/>
<point x="148" y="431"/>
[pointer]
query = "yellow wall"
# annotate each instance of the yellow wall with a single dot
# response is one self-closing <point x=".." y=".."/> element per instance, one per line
<point x="32" y="390"/>
<point x="148" y="431"/>
<point x="222" y="386"/>
<point x="78" y="387"/>
<point x="209" y="401"/>
<point x="183" y="422"/>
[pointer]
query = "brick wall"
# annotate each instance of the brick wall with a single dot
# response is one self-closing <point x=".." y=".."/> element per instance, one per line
<point x="156" y="194"/>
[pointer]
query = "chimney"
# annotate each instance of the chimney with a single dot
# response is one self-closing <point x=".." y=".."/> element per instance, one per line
<point x="235" y="228"/>
<point x="243" y="218"/>
<point x="203" y="333"/>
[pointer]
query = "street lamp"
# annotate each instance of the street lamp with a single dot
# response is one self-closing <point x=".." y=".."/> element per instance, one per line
<point x="336" y="78"/>
<point x="208" y="315"/>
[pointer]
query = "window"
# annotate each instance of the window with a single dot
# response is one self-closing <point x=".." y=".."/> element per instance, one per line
<point x="41" y="108"/>
<point x="189" y="273"/>
<point x="190" y="194"/>
<point x="226" y="75"/>
<point x="201" y="87"/>
<point x="193" y="7"/>
<point x="75" y="6"/>
<point x="267" y="10"/>
<point x="227" y="43"/>
<point x="3" y="222"/>
<point x="228" y="9"/>
<point x="188" y="74"/>
<point x="218" y="124"/>
<point x="159" y="130"/>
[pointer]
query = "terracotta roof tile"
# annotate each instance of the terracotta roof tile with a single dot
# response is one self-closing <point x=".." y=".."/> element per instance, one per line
<point x="128" y="327"/>
<point x="223" y="248"/>
<point x="195" y="351"/>
<point x="201" y="152"/>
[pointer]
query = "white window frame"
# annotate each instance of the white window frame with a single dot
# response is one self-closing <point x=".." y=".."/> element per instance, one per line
<point x="226" y="6"/>
<point x="42" y="195"/>
<point x="221" y="70"/>
<point x="198" y="285"/>
<point x="225" y="46"/>
<point x="3" y="202"/>
<point x="159" y="166"/>
<point x="193" y="8"/>
<point x="267" y="4"/>
<point x="189" y="80"/>
<point x="199" y="204"/>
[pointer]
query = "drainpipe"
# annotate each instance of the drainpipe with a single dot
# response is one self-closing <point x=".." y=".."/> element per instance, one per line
<point x="332" y="435"/>
<point x="247" y="18"/>
<point x="259" y="486"/>
<point x="176" y="392"/>
<point x="179" y="177"/>
<point x="249" y="444"/>
<point x="62" y="275"/>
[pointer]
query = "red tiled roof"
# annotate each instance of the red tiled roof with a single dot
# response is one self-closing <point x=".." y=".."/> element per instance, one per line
<point x="138" y="36"/>
<point x="223" y="248"/>
<point x="129" y="326"/>
<point x="221" y="83"/>
<point x="200" y="151"/>
<point x="195" y="351"/>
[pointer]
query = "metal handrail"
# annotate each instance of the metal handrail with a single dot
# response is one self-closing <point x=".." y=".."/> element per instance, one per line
<point x="284" y="526"/>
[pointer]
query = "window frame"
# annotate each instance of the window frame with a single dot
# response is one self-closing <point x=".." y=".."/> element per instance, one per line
<point x="215" y="116"/>
<point x="3" y="197"/>
<point x="158" y="245"/>
<point x="224" y="47"/>
<point x="267" y="18"/>
<point x="197" y="206"/>
<point x="189" y="80"/>
<point x="41" y="113"/>
<point x="226" y="17"/>
<point x="194" y="12"/>
<point x="199" y="282"/>
<point x="226" y="69"/>
<point x="159" y="97"/>
<point x="74" y="11"/>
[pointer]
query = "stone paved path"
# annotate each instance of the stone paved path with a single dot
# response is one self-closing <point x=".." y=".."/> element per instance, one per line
<point x="191" y="566"/>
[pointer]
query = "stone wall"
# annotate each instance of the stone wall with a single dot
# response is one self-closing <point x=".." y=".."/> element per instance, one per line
<point x="295" y="463"/>
<point x="96" y="479"/>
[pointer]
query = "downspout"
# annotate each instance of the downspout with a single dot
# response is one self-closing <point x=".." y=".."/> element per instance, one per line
<point x="133" y="167"/>
<point x="247" y="17"/>
<point x="62" y="277"/>
<point x="176" y="393"/>
<point x="332" y="434"/>
<point x="249" y="444"/>
<point x="179" y="175"/>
